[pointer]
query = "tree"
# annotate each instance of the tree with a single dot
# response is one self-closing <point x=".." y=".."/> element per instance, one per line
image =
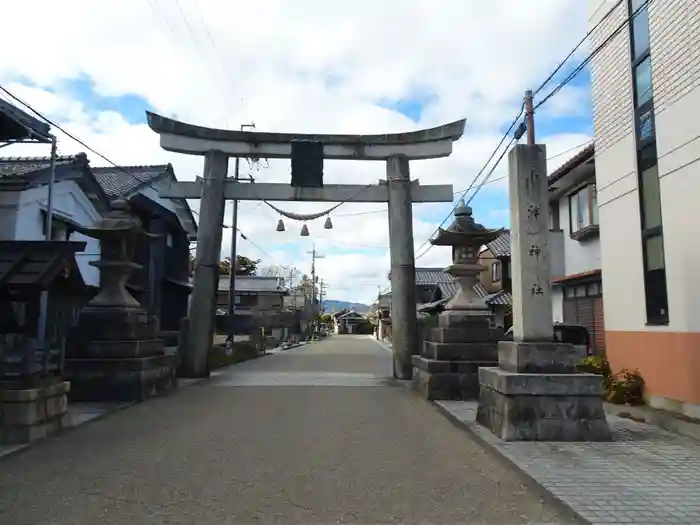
<point x="304" y="283"/>
<point x="244" y="266"/>
<point x="326" y="318"/>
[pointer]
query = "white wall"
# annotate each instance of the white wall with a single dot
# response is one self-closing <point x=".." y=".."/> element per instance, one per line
<point x="9" y="202"/>
<point x="69" y="202"/>
<point x="557" y="304"/>
<point x="675" y="55"/>
<point x="579" y="256"/>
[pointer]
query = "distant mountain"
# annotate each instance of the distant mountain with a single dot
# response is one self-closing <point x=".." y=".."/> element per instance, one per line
<point x="331" y="305"/>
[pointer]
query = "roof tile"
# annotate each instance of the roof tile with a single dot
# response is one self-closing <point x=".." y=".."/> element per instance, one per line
<point x="18" y="167"/>
<point x="119" y="182"/>
<point x="500" y="247"/>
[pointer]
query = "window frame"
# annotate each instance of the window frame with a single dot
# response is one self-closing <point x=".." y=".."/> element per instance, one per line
<point x="590" y="189"/>
<point x="655" y="282"/>
<point x="495" y="271"/>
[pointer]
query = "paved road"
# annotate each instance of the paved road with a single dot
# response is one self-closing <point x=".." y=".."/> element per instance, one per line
<point x="315" y="435"/>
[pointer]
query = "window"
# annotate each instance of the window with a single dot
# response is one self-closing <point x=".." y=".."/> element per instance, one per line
<point x="554" y="217"/>
<point x="59" y="231"/>
<point x="656" y="296"/>
<point x="593" y="289"/>
<point x="645" y="126"/>
<point x="583" y="208"/>
<point x="640" y="30"/>
<point x="169" y="240"/>
<point x="495" y="272"/>
<point x="643" y="82"/>
<point x="651" y="198"/>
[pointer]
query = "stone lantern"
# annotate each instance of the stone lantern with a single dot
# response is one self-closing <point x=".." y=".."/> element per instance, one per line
<point x="114" y="352"/>
<point x="466" y="238"/>
<point x="448" y="365"/>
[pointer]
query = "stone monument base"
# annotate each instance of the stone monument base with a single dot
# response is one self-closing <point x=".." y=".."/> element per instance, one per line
<point x="446" y="380"/>
<point x="121" y="379"/>
<point x="536" y="395"/>
<point x="32" y="413"/>
<point x="448" y="367"/>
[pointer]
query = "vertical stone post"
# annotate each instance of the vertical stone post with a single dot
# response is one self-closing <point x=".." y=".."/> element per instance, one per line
<point x="536" y="393"/>
<point x="195" y="360"/>
<point x="532" y="297"/>
<point x="403" y="271"/>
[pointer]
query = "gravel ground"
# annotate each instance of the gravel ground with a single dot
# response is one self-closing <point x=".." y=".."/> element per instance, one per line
<point x="360" y="449"/>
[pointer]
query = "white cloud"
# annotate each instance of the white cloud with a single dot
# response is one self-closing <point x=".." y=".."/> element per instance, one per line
<point x="305" y="66"/>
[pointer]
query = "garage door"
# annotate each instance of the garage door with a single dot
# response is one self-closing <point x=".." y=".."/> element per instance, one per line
<point x="584" y="308"/>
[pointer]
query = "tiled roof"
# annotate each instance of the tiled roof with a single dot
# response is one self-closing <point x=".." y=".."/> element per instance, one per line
<point x="480" y="290"/>
<point x="582" y="156"/>
<point x="501" y="298"/>
<point x="119" y="182"/>
<point x="17" y="167"/>
<point x="432" y="276"/>
<point x="500" y="247"/>
<point x="448" y="289"/>
<point x="253" y="283"/>
<point x="16" y="124"/>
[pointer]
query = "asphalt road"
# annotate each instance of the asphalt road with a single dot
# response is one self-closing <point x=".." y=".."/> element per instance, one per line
<point x="319" y="434"/>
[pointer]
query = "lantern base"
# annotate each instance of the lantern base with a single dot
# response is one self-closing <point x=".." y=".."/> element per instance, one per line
<point x="448" y="365"/>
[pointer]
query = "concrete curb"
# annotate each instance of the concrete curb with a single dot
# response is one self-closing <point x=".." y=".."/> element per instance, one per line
<point x="670" y="422"/>
<point x="545" y="495"/>
<point x="385" y="346"/>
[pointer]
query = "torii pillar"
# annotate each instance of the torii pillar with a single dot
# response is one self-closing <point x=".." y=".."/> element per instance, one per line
<point x="217" y="145"/>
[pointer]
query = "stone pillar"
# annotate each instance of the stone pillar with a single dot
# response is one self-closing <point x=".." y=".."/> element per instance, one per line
<point x="195" y="359"/>
<point x="535" y="393"/>
<point x="403" y="270"/>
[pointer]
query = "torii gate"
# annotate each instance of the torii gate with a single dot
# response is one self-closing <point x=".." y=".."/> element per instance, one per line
<point x="307" y="152"/>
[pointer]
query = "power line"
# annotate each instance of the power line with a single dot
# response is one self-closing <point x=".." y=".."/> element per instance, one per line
<point x="493" y="154"/>
<point x="554" y="91"/>
<point x="76" y="139"/>
<point x="581" y="42"/>
<point x="92" y="150"/>
<point x="591" y="55"/>
<point x="578" y="146"/>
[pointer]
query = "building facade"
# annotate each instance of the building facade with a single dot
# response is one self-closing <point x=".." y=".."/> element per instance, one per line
<point x="646" y="91"/>
<point x="574" y="246"/>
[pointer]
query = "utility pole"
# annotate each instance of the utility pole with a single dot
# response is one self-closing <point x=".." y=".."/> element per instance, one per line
<point x="44" y="337"/>
<point x="232" y="271"/>
<point x="314" y="256"/>
<point x="529" y="118"/>
<point x="321" y="293"/>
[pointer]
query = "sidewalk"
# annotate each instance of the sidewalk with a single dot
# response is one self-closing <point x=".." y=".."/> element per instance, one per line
<point x="646" y="476"/>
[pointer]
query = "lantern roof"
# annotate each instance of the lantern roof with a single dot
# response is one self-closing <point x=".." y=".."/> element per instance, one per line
<point x="464" y="230"/>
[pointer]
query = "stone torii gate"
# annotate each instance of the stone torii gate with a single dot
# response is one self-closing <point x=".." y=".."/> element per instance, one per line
<point x="307" y="152"/>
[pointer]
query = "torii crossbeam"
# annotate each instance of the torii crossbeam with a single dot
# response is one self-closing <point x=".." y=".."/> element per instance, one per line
<point x="217" y="145"/>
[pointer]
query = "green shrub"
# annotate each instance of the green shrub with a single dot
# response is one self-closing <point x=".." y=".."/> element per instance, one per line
<point x="241" y="352"/>
<point x="624" y="387"/>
